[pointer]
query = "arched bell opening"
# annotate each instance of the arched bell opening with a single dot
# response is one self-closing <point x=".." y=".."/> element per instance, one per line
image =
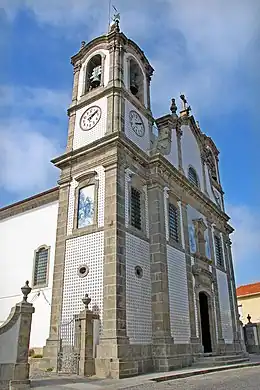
<point x="136" y="80"/>
<point x="94" y="73"/>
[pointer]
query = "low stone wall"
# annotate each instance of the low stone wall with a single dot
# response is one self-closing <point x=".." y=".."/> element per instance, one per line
<point x="14" y="345"/>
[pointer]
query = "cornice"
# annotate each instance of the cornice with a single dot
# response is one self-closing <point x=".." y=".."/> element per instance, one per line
<point x="31" y="203"/>
<point x="170" y="171"/>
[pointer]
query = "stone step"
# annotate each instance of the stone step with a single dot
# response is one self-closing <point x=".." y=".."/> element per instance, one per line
<point x="220" y="361"/>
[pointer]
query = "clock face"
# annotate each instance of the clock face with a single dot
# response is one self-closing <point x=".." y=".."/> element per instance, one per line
<point x="137" y="123"/>
<point x="90" y="118"/>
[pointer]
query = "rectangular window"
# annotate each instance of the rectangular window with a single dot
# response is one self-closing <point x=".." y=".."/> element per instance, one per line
<point x="219" y="252"/>
<point x="40" y="267"/>
<point x="173" y="223"/>
<point x="86" y="206"/>
<point x="136" y="217"/>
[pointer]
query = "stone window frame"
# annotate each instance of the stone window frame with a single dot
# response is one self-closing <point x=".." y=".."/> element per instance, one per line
<point x="191" y="168"/>
<point x="86" y="180"/>
<point x="139" y="184"/>
<point x="216" y="234"/>
<point x="84" y="86"/>
<point x="172" y="199"/>
<point x="44" y="285"/>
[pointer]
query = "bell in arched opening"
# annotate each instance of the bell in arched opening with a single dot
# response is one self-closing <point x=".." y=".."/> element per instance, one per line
<point x="95" y="78"/>
<point x="133" y="84"/>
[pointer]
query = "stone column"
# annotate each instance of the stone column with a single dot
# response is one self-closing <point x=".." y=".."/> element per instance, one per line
<point x="159" y="278"/>
<point x="179" y="147"/>
<point x="52" y="344"/>
<point x="113" y="358"/>
<point x="221" y="342"/>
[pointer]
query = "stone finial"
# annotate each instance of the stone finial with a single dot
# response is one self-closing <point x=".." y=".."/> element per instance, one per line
<point x="26" y="289"/>
<point x="83" y="43"/>
<point x="173" y="107"/>
<point x="86" y="301"/>
<point x="249" y="318"/>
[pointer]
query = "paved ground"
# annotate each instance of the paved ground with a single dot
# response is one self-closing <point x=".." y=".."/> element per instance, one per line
<point x="240" y="379"/>
<point x="236" y="379"/>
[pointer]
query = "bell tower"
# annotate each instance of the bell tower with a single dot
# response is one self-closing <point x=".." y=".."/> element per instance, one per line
<point x="110" y="129"/>
<point x="111" y="92"/>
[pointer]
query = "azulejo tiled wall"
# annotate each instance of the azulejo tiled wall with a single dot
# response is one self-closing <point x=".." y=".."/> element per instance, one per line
<point x="178" y="296"/>
<point x="138" y="291"/>
<point x="225" y="313"/>
<point x="85" y="250"/>
<point x="101" y="198"/>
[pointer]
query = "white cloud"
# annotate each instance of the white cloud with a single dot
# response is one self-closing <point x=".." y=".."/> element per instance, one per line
<point x="23" y="100"/>
<point x="24" y="157"/>
<point x="246" y="243"/>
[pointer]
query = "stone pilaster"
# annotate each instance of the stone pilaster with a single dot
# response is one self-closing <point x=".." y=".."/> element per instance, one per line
<point x="72" y="122"/>
<point x="220" y="340"/>
<point x="194" y="338"/>
<point x="113" y="356"/>
<point x="179" y="146"/>
<point x="52" y="344"/>
<point x="159" y="279"/>
<point x="203" y="163"/>
<point x="75" y="88"/>
<point x="232" y="290"/>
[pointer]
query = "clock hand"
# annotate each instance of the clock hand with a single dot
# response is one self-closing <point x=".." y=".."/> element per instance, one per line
<point x="91" y="116"/>
<point x="138" y="123"/>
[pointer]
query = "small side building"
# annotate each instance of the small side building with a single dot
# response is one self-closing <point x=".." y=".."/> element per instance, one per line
<point x="248" y="297"/>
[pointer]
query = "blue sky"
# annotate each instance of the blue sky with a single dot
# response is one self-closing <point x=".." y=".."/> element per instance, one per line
<point x="208" y="50"/>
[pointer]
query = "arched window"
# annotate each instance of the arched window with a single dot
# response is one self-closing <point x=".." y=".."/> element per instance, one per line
<point x="193" y="177"/>
<point x="40" y="269"/>
<point x="93" y="73"/>
<point x="136" y="80"/>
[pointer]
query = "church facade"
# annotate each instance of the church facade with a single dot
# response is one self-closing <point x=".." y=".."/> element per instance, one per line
<point x="137" y="222"/>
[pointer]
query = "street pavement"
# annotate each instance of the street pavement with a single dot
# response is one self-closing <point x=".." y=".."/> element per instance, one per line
<point x="239" y="379"/>
<point x="236" y="379"/>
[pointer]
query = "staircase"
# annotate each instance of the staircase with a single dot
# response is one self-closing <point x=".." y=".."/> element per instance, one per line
<point x="211" y="360"/>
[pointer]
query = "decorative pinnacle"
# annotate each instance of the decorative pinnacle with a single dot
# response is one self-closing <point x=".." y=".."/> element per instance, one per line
<point x="173" y="107"/>
<point x="86" y="301"/>
<point x="249" y="318"/>
<point x="26" y="289"/>
<point x="83" y="43"/>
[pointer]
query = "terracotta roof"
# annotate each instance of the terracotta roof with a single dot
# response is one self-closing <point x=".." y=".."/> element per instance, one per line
<point x="248" y="289"/>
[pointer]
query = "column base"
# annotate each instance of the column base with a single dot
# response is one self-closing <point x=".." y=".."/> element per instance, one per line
<point x="50" y="352"/>
<point x="168" y="357"/>
<point x="19" y="385"/>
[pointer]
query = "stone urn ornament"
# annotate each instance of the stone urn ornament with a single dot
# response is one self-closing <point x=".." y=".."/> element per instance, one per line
<point x="26" y="289"/>
<point x="86" y="301"/>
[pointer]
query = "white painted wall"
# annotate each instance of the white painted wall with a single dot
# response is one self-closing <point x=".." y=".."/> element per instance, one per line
<point x="178" y="296"/>
<point x="142" y="142"/>
<point x="82" y="72"/>
<point x="19" y="237"/>
<point x="138" y="291"/>
<point x="173" y="156"/>
<point x="85" y="137"/>
<point x="225" y="312"/>
<point x="191" y="153"/>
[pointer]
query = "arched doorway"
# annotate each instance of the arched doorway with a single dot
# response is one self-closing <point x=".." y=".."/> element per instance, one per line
<point x="205" y="324"/>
